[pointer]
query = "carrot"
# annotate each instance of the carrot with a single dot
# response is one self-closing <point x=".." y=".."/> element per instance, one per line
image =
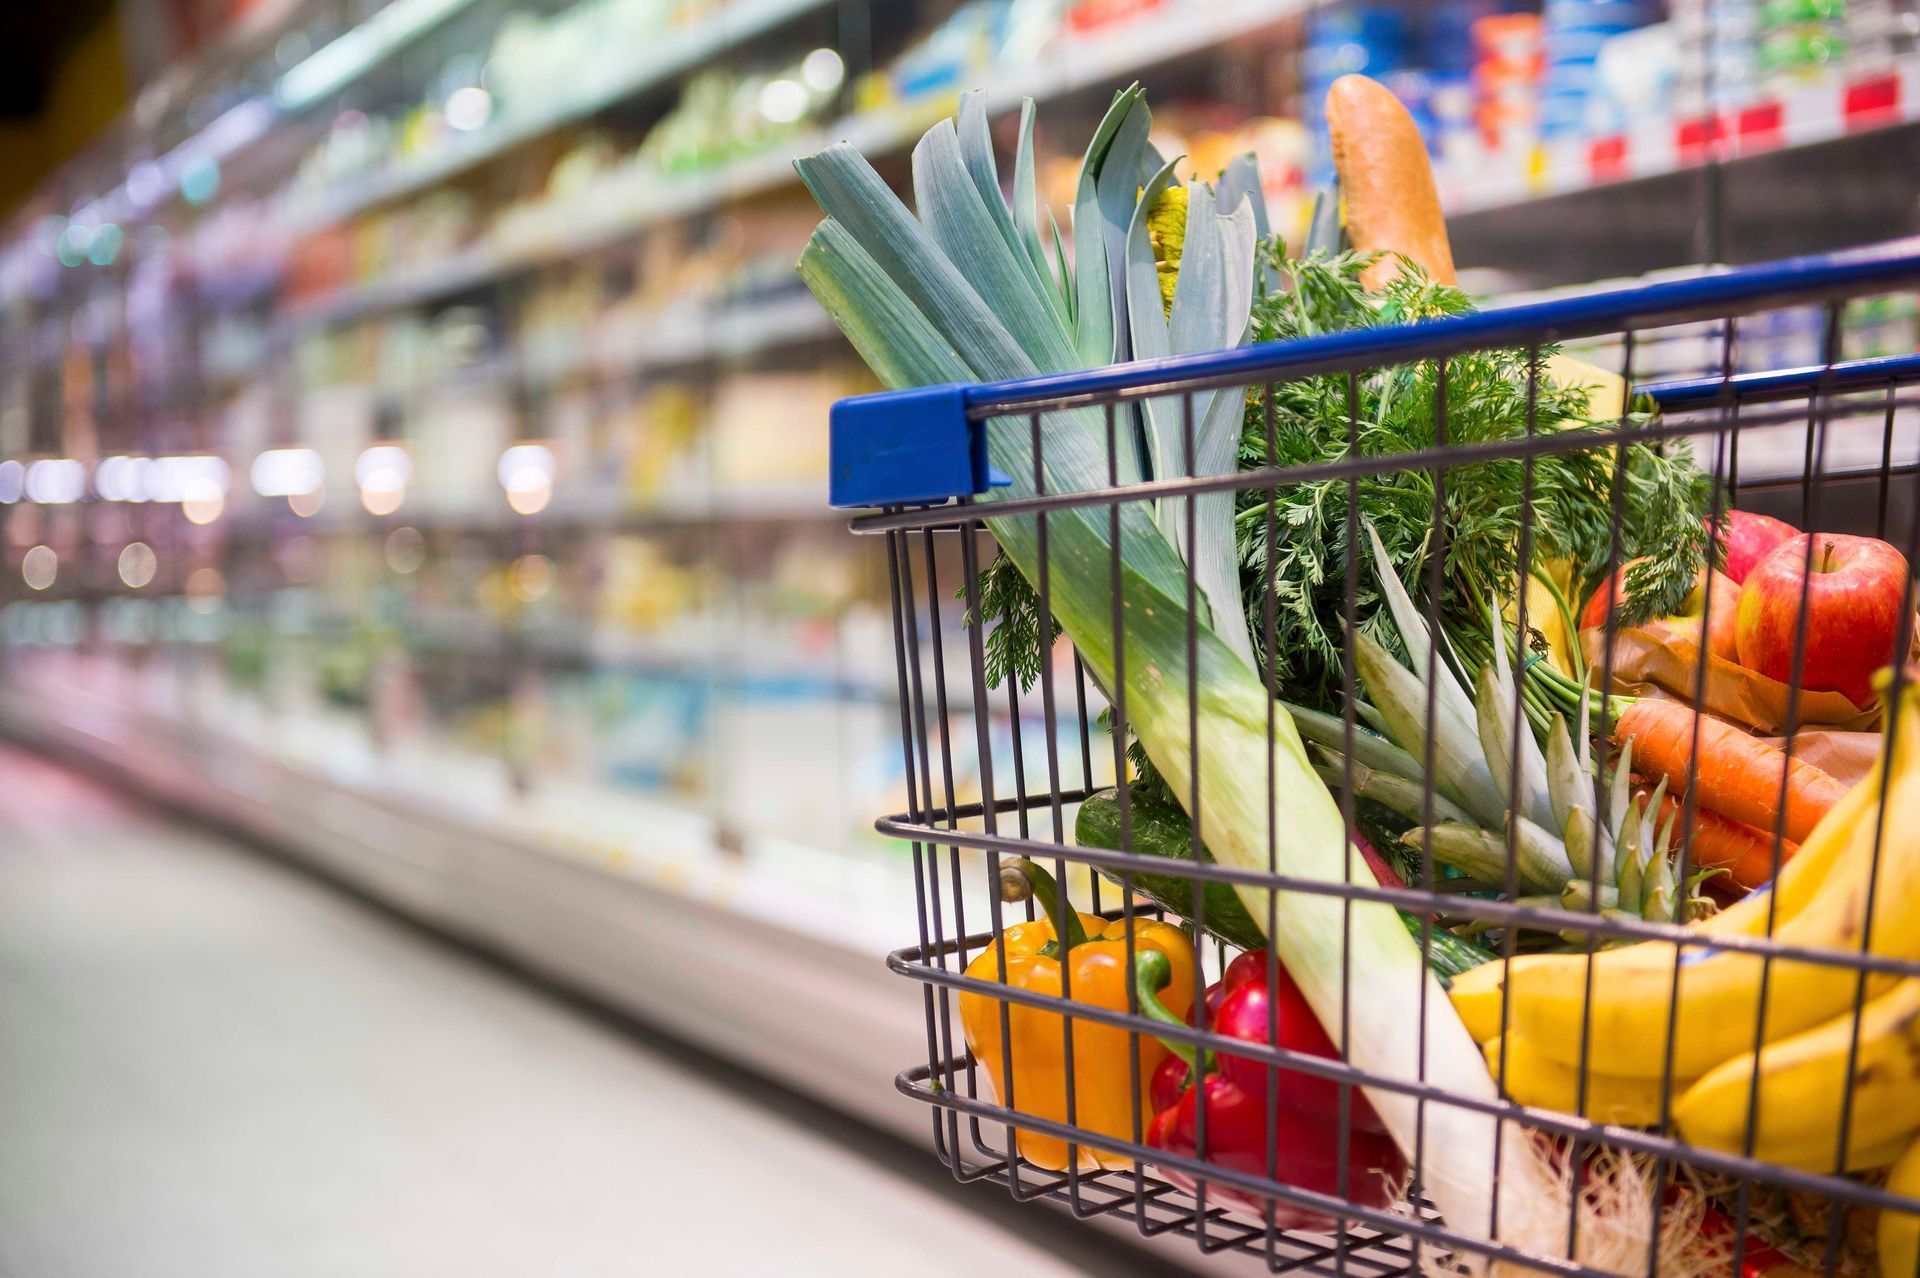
<point x="1734" y="775"/>
<point x="1720" y="843"/>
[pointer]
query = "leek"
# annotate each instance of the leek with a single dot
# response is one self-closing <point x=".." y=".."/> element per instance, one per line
<point x="891" y="281"/>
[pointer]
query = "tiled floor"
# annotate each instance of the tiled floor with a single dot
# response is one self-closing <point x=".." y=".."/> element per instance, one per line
<point x="212" y="1065"/>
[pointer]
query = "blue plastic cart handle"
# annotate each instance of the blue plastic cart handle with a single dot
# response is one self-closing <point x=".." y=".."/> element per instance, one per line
<point x="918" y="446"/>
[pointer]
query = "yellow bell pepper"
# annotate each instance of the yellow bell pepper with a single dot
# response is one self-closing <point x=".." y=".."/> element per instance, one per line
<point x="1096" y="952"/>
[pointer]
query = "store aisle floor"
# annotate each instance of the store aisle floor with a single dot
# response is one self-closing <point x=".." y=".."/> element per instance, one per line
<point x="211" y="1065"/>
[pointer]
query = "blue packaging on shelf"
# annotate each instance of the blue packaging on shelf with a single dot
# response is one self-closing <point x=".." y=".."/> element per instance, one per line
<point x="1361" y="38"/>
<point x="1583" y="45"/>
<point x="1621" y="15"/>
<point x="1449" y="44"/>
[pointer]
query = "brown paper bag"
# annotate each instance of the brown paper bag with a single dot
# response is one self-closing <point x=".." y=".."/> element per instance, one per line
<point x="1661" y="659"/>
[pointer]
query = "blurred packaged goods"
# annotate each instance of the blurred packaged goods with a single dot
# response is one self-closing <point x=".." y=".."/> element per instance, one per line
<point x="517" y="308"/>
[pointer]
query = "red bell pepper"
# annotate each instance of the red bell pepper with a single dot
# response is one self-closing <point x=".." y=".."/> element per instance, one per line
<point x="1304" y="1124"/>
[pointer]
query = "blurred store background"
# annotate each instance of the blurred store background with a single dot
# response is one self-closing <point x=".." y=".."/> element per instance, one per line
<point x="412" y="431"/>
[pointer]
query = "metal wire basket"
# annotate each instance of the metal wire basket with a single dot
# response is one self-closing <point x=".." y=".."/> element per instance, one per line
<point x="993" y="773"/>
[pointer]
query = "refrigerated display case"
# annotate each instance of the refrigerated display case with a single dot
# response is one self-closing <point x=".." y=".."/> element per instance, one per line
<point x="412" y="431"/>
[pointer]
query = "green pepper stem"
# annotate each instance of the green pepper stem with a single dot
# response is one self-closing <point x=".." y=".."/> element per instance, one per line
<point x="1151" y="972"/>
<point x="1053" y="902"/>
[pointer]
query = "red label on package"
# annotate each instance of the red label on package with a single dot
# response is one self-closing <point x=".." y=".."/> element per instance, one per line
<point x="1696" y="136"/>
<point x="1607" y="158"/>
<point x="1094" y="15"/>
<point x="1871" y="102"/>
<point x="1760" y="126"/>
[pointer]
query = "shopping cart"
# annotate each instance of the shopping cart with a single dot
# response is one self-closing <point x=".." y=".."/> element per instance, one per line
<point x="1841" y="455"/>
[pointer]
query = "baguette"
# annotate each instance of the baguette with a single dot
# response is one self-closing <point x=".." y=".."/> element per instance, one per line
<point x="1393" y="206"/>
<point x="1386" y="182"/>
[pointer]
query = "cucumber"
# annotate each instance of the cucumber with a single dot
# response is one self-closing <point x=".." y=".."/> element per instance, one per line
<point x="1162" y="831"/>
<point x="1450" y="953"/>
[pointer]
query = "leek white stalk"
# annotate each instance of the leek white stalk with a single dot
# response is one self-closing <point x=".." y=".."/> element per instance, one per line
<point x="890" y="280"/>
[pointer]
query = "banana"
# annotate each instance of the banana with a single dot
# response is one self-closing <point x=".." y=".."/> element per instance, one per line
<point x="1899" y="1231"/>
<point x="1477" y="994"/>
<point x="1719" y="1009"/>
<point x="1819" y="1157"/>
<point x="1874" y="1157"/>
<point x="1803" y="1081"/>
<point x="1535" y="1079"/>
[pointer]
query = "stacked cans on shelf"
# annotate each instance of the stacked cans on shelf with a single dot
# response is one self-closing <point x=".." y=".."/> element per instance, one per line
<point x="1364" y="39"/>
<point x="1575" y="32"/>
<point x="1717" y="43"/>
<point x="1510" y="57"/>
<point x="1799" y="40"/>
<point x="1878" y="31"/>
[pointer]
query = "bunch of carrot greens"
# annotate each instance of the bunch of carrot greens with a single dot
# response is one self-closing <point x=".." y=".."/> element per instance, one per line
<point x="1296" y="536"/>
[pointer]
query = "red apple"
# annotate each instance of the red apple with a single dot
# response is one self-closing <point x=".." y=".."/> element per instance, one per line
<point x="1720" y="632"/>
<point x="1722" y="627"/>
<point x="1854" y="599"/>
<point x="1600" y="602"/>
<point x="1748" y="537"/>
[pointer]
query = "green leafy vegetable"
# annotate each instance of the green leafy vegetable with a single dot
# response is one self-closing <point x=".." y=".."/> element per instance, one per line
<point x="1486" y="402"/>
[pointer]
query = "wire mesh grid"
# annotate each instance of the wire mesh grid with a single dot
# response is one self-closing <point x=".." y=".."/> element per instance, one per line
<point x="996" y="767"/>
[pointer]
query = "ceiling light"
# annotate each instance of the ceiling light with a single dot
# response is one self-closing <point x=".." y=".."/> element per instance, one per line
<point x="823" y="71"/>
<point x="783" y="101"/>
<point x="287" y="472"/>
<point x="56" y="481"/>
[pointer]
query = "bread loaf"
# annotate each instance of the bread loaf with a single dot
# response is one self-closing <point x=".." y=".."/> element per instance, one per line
<point x="1386" y="181"/>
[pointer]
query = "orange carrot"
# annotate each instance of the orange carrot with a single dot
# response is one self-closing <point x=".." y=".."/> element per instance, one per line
<point x="1720" y="843"/>
<point x="1734" y="774"/>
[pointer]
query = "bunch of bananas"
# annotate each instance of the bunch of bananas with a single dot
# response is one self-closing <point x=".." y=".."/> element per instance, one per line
<point x="1618" y="1008"/>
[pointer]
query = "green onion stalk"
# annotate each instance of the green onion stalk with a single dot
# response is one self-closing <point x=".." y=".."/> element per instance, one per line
<point x="890" y="280"/>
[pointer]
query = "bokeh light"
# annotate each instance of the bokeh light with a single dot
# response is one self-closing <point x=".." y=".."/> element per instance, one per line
<point x="205" y="589"/>
<point x="530" y="577"/>
<point x="56" y="481"/>
<point x="406" y="550"/>
<point x="203" y="502"/>
<point x="39" y="567"/>
<point x="823" y="70"/>
<point x="138" y="564"/>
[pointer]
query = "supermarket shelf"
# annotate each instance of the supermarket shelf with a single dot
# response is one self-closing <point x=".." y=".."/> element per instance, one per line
<point x="711" y="656"/>
<point x="671" y="337"/>
<point x="355" y="54"/>
<point x="778" y="996"/>
<point x="1823" y="168"/>
<point x="798" y="994"/>
<point x="251" y="37"/>
<point x="706" y="659"/>
<point x="679" y="337"/>
<point x="722" y="663"/>
<point x="623" y="206"/>
<point x="1816" y="113"/>
<point x="682" y="51"/>
<point x="598" y="510"/>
